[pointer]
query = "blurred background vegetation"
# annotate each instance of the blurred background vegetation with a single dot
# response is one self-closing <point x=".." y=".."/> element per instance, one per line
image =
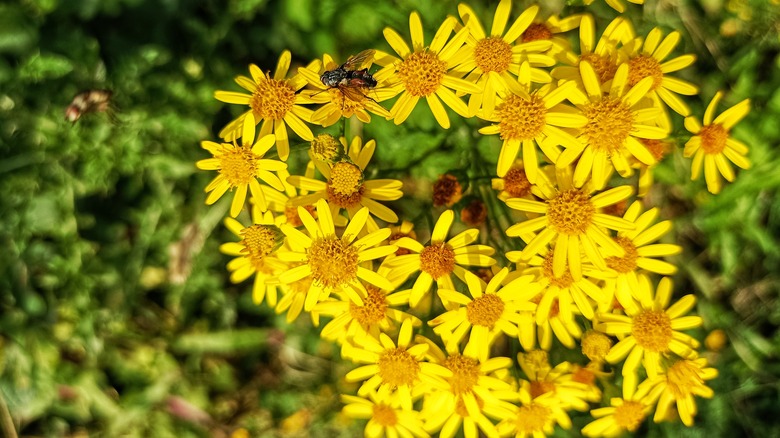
<point x="116" y="315"/>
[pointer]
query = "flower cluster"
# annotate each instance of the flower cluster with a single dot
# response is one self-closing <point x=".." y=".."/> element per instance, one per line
<point x="587" y="259"/>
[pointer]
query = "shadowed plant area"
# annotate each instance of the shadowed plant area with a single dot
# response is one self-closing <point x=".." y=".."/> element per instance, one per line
<point x="322" y="218"/>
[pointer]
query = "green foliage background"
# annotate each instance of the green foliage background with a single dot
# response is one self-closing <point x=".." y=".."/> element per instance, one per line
<point x="116" y="316"/>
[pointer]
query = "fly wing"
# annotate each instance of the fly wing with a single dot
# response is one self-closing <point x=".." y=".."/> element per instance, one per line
<point x="353" y="93"/>
<point x="357" y="62"/>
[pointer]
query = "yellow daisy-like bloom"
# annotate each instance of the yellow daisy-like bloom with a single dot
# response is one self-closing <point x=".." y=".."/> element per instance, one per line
<point x="570" y="218"/>
<point x="491" y="58"/>
<point x="487" y="315"/>
<point x="602" y="55"/>
<point x="347" y="189"/>
<point x="558" y="381"/>
<point x="254" y="255"/>
<point x="549" y="29"/>
<point x="531" y="120"/>
<point x="385" y="419"/>
<point x="639" y="255"/>
<point x="335" y="104"/>
<point x="713" y="145"/>
<point x="440" y="258"/>
<point x="650" y="330"/>
<point x="374" y="314"/>
<point x="615" y="123"/>
<point x="683" y="381"/>
<point x="281" y="203"/>
<point x="514" y="183"/>
<point x="424" y="71"/>
<point x="295" y="294"/>
<point x="474" y="394"/>
<point x="623" y="415"/>
<point x="618" y="4"/>
<point x="274" y="100"/>
<point x="394" y="370"/>
<point x="534" y="417"/>
<point x="239" y="167"/>
<point x="333" y="262"/>
<point x="583" y="292"/>
<point x="646" y="59"/>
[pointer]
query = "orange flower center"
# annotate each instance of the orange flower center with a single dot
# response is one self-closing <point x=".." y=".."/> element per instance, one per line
<point x="384" y="415"/>
<point x="446" y="191"/>
<point x="516" y="183"/>
<point x="437" y="260"/>
<point x="713" y="138"/>
<point x="326" y="147"/>
<point x="532" y="419"/>
<point x="629" y="415"/>
<point x="422" y="72"/>
<point x="465" y="373"/>
<point x="604" y="67"/>
<point x="521" y="119"/>
<point x="272" y="99"/>
<point x="372" y="311"/>
<point x="258" y="241"/>
<point x="537" y="31"/>
<point x="595" y="345"/>
<point x="493" y="54"/>
<point x="644" y="66"/>
<point x="333" y="261"/>
<point x="238" y="165"/>
<point x="656" y="147"/>
<point x="652" y="330"/>
<point x="397" y="367"/>
<point x="345" y="187"/>
<point x="609" y="124"/>
<point x="563" y="281"/>
<point x="485" y="310"/>
<point x="571" y="212"/>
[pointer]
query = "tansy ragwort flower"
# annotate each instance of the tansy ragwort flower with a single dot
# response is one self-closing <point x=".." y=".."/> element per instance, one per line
<point x="239" y="167"/>
<point x="602" y="55"/>
<point x="394" y="370"/>
<point x="550" y="29"/>
<point x="273" y="100"/>
<point x="713" y="144"/>
<point x="639" y="254"/>
<point x="646" y="59"/>
<point x="679" y="385"/>
<point x="558" y="380"/>
<point x="623" y="415"/>
<point x="484" y="317"/>
<point x="650" y="330"/>
<point x="533" y="120"/>
<point x="385" y="419"/>
<point x="570" y="218"/>
<point x="377" y="312"/>
<point x="615" y="123"/>
<point x="491" y="58"/>
<point x="534" y="417"/>
<point x="439" y="259"/>
<point x="335" y="104"/>
<point x="254" y="255"/>
<point x="424" y="71"/>
<point x="333" y="262"/>
<point x="473" y="394"/>
<point x="346" y="187"/>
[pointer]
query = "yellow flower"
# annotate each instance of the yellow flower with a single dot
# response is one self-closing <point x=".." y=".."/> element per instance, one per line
<point x="374" y="314"/>
<point x="384" y="418"/>
<point x="570" y="218"/>
<point x="347" y="188"/>
<point x="491" y="58"/>
<point x="282" y="202"/>
<point x="558" y="380"/>
<point x="602" y="55"/>
<point x="615" y="123"/>
<point x="335" y="104"/>
<point x="295" y="294"/>
<point x="713" y="144"/>
<point x="440" y="259"/>
<point x="239" y="167"/>
<point x="582" y="292"/>
<point x="255" y="255"/>
<point x="549" y="29"/>
<point x="473" y="394"/>
<point x="639" y="255"/>
<point x="623" y="415"/>
<point x="333" y="262"/>
<point x="534" y="417"/>
<point x="531" y="120"/>
<point x="274" y="100"/>
<point x="395" y="370"/>
<point x="423" y="71"/>
<point x="487" y="315"/>
<point x="618" y="4"/>
<point x="683" y="380"/>
<point x="646" y="59"/>
<point x="650" y="330"/>
<point x="514" y="183"/>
